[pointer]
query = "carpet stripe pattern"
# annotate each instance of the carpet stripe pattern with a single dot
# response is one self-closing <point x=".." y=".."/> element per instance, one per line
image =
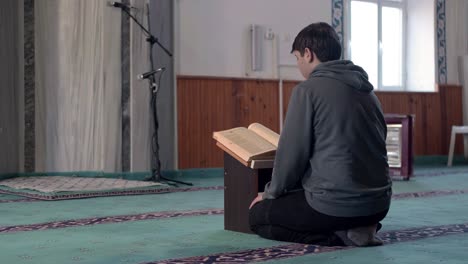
<point x="296" y="250"/>
<point x="107" y="220"/>
<point x="173" y="214"/>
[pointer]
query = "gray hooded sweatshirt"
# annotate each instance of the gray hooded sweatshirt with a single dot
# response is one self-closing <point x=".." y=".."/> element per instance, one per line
<point x="333" y="144"/>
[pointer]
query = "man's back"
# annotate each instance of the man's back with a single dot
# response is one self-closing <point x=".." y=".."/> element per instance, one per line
<point x="349" y="170"/>
<point x="333" y="145"/>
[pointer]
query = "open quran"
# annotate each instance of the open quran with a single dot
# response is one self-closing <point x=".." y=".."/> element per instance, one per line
<point x="254" y="143"/>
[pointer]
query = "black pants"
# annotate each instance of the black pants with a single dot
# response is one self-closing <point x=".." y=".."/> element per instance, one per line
<point x="290" y="218"/>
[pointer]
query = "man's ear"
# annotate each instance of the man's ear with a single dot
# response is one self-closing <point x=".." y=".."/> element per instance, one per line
<point x="309" y="55"/>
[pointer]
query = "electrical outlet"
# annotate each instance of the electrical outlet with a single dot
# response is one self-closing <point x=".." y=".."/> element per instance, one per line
<point x="269" y="35"/>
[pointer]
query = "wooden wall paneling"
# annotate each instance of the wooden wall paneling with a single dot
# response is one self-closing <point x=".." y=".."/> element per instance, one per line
<point x="413" y="104"/>
<point x="207" y="104"/>
<point x="288" y="87"/>
<point x="432" y="118"/>
<point x="220" y="114"/>
<point x="204" y="106"/>
<point x="408" y="103"/>
<point x="211" y="104"/>
<point x="451" y="114"/>
<point x="258" y="101"/>
<point x="444" y="130"/>
<point x="187" y="106"/>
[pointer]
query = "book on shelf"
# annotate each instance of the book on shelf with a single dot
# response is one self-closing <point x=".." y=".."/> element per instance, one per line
<point x="253" y="144"/>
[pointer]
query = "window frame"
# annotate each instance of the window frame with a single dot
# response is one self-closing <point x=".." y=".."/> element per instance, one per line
<point x="347" y="39"/>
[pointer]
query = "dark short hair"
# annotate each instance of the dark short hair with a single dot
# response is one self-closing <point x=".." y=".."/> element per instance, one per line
<point x="319" y="38"/>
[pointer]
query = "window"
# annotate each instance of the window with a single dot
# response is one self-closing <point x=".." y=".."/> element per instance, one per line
<point x="394" y="41"/>
<point x="376" y="40"/>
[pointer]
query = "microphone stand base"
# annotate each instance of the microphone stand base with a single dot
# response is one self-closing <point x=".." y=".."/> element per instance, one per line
<point x="162" y="179"/>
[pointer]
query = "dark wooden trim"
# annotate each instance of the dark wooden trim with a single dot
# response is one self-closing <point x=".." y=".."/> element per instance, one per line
<point x="29" y="88"/>
<point x="208" y="77"/>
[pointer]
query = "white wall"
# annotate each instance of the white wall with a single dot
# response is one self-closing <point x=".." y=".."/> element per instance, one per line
<point x="213" y="35"/>
<point x="420" y="45"/>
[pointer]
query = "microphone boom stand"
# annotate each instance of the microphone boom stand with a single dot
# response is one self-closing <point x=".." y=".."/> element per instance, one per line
<point x="154" y="87"/>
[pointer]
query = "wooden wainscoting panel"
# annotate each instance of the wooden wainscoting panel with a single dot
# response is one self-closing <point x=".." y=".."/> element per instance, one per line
<point x="207" y="104"/>
<point x="451" y="114"/>
<point x="288" y="87"/>
<point x="257" y="101"/>
<point x="204" y="106"/>
<point x="431" y="118"/>
<point x="406" y="103"/>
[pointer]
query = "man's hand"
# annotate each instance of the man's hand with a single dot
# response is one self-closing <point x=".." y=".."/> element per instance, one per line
<point x="257" y="199"/>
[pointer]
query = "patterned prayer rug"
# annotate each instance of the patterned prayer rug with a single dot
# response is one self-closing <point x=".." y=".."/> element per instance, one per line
<point x="63" y="187"/>
<point x="51" y="184"/>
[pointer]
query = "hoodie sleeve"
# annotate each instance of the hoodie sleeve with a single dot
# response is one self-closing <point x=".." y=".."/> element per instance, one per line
<point x="294" y="147"/>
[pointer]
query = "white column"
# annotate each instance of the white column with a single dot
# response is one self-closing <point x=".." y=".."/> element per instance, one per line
<point x="9" y="54"/>
<point x="457" y="36"/>
<point x="140" y="110"/>
<point x="463" y="76"/>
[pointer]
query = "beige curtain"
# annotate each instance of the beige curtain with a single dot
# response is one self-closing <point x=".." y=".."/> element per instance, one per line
<point x="78" y="86"/>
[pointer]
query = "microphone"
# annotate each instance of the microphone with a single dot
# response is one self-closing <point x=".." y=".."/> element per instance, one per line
<point x="120" y="5"/>
<point x="148" y="74"/>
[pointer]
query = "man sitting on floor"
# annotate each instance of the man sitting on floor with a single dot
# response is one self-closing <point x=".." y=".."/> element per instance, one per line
<point x="330" y="182"/>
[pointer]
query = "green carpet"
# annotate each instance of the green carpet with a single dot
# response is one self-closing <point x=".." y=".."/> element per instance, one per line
<point x="9" y="197"/>
<point x="30" y="213"/>
<point x="441" y="250"/>
<point x="189" y="236"/>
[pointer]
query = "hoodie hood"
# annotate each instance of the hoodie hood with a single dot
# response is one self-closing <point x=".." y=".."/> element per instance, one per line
<point x="346" y="72"/>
